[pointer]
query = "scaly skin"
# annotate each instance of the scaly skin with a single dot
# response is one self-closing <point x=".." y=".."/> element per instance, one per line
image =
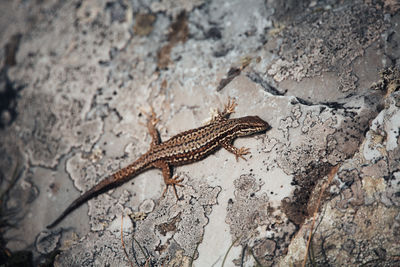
<point x="184" y="148"/>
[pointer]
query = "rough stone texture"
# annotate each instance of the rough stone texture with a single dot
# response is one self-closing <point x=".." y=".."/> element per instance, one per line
<point x="361" y="224"/>
<point x="327" y="41"/>
<point x="77" y="76"/>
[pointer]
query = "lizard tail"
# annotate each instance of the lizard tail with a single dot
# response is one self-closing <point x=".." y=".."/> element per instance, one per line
<point x="108" y="183"/>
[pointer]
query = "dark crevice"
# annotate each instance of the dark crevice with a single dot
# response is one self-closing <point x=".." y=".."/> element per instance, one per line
<point x="302" y="101"/>
<point x="256" y="78"/>
<point x="8" y="99"/>
<point x="9" y="89"/>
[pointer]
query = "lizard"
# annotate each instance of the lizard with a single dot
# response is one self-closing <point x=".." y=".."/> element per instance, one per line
<point x="184" y="148"/>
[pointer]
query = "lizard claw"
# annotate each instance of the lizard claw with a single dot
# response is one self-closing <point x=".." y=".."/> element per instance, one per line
<point x="241" y="152"/>
<point x="230" y="107"/>
<point x="151" y="116"/>
<point x="174" y="181"/>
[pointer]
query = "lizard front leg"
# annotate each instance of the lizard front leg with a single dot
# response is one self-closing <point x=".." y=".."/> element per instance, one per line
<point x="238" y="152"/>
<point x="228" y="110"/>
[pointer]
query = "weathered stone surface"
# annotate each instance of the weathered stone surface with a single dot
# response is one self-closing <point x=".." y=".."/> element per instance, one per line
<point x="78" y="76"/>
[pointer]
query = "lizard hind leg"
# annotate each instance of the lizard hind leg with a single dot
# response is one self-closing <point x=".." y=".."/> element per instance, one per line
<point x="168" y="180"/>
<point x="174" y="182"/>
<point x="152" y="120"/>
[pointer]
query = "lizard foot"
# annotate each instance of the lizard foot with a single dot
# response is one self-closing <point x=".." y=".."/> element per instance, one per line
<point x="174" y="181"/>
<point x="152" y="119"/>
<point x="230" y="106"/>
<point x="241" y="152"/>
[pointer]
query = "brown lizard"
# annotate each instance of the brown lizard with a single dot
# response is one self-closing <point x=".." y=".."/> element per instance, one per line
<point x="184" y="148"/>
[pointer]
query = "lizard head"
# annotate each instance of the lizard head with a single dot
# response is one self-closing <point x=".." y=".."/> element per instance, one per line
<point x="250" y="125"/>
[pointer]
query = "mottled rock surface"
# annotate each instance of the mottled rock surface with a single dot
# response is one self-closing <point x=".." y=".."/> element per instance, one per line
<point x="76" y="78"/>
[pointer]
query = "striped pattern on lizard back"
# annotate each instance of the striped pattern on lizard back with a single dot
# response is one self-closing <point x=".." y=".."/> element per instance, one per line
<point x="193" y="145"/>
